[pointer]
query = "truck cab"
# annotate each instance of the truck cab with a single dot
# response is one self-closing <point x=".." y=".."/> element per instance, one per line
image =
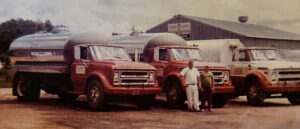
<point x="170" y="60"/>
<point x="79" y="65"/>
<point x="169" y="54"/>
<point x="265" y="73"/>
<point x="257" y="72"/>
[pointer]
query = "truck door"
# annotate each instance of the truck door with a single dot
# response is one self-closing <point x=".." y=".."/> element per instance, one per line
<point x="240" y="65"/>
<point x="79" y="69"/>
<point x="160" y="62"/>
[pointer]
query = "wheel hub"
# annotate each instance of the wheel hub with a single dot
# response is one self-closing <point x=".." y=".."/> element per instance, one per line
<point x="172" y="93"/>
<point x="94" y="94"/>
<point x="21" y="88"/>
<point x="252" y="92"/>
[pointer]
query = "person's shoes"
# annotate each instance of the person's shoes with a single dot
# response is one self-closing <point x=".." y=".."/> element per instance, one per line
<point x="201" y="110"/>
<point x="210" y="109"/>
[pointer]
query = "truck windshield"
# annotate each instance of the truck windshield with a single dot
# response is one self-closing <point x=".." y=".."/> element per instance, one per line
<point x="265" y="55"/>
<point x="105" y="52"/>
<point x="186" y="54"/>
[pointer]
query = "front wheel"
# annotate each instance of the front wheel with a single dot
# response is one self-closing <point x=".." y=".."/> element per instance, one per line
<point x="175" y="96"/>
<point x="219" y="100"/>
<point x="294" y="98"/>
<point x="95" y="95"/>
<point x="255" y="95"/>
<point x="27" y="89"/>
<point x="145" y="102"/>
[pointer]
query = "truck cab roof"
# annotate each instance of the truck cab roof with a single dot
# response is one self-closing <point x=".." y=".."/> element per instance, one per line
<point x="183" y="47"/>
<point x="104" y="44"/>
<point x="257" y="48"/>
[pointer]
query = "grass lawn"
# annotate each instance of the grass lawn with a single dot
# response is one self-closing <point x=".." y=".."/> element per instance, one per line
<point x="4" y="83"/>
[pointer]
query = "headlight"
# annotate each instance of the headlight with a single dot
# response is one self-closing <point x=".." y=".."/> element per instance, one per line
<point x="151" y="76"/>
<point x="116" y="78"/>
<point x="226" y="75"/>
<point x="274" y="76"/>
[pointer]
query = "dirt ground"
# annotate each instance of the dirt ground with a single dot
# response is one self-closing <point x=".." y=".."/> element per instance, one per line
<point x="49" y="112"/>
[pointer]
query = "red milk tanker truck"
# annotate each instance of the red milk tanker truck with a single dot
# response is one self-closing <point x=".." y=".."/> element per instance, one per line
<point x="83" y="64"/>
<point x="169" y="54"/>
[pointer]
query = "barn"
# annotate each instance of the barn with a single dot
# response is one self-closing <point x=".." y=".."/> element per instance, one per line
<point x="198" y="28"/>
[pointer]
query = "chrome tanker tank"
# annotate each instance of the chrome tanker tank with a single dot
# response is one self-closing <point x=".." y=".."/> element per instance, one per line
<point x="141" y="42"/>
<point x="49" y="52"/>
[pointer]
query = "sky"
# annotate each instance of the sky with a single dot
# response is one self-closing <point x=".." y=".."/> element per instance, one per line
<point x="120" y="15"/>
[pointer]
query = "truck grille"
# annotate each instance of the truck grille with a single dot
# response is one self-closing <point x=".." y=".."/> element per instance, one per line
<point x="289" y="76"/>
<point x="289" y="79"/>
<point x="134" y="78"/>
<point x="134" y="82"/>
<point x="289" y="72"/>
<point x="218" y="81"/>
<point x="216" y="74"/>
<point x="219" y="78"/>
<point x="134" y="74"/>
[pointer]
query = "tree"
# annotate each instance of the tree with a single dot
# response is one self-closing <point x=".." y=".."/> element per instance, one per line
<point x="48" y="26"/>
<point x="14" y="28"/>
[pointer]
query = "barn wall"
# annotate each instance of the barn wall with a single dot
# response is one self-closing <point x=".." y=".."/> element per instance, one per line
<point x="200" y="31"/>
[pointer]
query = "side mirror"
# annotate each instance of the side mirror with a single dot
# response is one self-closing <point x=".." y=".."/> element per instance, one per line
<point x="156" y="54"/>
<point x="235" y="55"/>
<point x="77" y="52"/>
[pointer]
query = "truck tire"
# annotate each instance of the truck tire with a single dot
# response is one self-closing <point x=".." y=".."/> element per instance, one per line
<point x="145" y="101"/>
<point x="294" y="98"/>
<point x="175" y="96"/>
<point x="63" y="96"/>
<point x="219" y="100"/>
<point x="95" y="95"/>
<point x="255" y="95"/>
<point x="27" y="89"/>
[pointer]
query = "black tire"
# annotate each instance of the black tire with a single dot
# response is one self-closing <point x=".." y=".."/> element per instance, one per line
<point x="255" y="95"/>
<point x="63" y="96"/>
<point x="145" y="102"/>
<point x="219" y="100"/>
<point x="175" y="95"/>
<point x="294" y="98"/>
<point x="26" y="88"/>
<point x="95" y="95"/>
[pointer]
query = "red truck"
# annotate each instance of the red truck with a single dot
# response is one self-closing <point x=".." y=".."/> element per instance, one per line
<point x="169" y="54"/>
<point x="83" y="64"/>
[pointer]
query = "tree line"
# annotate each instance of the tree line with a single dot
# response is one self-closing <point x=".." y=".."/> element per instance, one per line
<point x="14" y="28"/>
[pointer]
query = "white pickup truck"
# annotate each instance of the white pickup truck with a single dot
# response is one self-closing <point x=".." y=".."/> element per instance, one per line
<point x="258" y="72"/>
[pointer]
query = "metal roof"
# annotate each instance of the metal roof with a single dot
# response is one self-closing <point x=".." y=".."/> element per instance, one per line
<point x="244" y="29"/>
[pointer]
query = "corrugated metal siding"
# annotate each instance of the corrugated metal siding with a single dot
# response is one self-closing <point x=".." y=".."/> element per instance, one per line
<point x="200" y="31"/>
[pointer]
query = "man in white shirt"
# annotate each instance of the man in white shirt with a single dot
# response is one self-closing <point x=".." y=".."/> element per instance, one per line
<point x="192" y="81"/>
